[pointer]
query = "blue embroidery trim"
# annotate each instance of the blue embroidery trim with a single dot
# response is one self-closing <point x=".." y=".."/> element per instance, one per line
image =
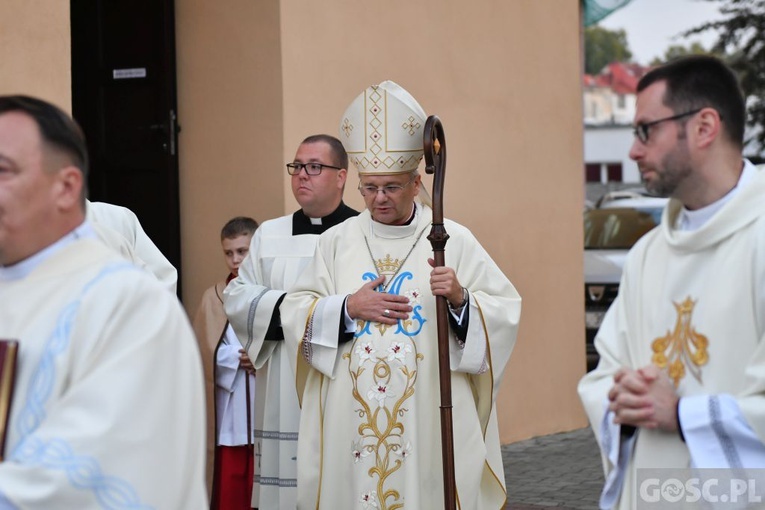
<point x="728" y="447"/>
<point x="607" y="437"/>
<point x="275" y="434"/>
<point x="251" y="317"/>
<point x="83" y="472"/>
<point x="395" y="289"/>
<point x="275" y="482"/>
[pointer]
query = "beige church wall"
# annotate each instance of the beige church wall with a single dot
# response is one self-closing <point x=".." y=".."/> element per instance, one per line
<point x="229" y="108"/>
<point x="35" y="50"/>
<point x="254" y="78"/>
<point x="504" y="77"/>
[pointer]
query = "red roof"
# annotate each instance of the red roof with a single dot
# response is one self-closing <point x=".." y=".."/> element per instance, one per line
<point x="621" y="77"/>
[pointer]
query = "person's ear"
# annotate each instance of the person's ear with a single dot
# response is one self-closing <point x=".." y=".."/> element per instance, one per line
<point x="69" y="185"/>
<point x="342" y="175"/>
<point x="707" y="127"/>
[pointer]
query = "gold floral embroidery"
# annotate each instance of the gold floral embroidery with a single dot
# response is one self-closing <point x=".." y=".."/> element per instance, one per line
<point x="382" y="328"/>
<point x="683" y="347"/>
<point x="382" y="429"/>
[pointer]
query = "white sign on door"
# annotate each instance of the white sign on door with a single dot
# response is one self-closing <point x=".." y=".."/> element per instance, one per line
<point x="123" y="74"/>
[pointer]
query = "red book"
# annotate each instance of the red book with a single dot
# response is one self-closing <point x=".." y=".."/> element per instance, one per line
<point x="8" y="352"/>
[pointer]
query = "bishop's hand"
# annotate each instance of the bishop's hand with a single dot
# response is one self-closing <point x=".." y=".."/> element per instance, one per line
<point x="444" y="282"/>
<point x="369" y="305"/>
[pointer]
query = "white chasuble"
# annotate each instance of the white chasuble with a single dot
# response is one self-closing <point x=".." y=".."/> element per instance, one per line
<point x="108" y="410"/>
<point x="370" y="424"/>
<point x="275" y="260"/>
<point x="111" y="220"/>
<point x="209" y="325"/>
<point x="693" y="304"/>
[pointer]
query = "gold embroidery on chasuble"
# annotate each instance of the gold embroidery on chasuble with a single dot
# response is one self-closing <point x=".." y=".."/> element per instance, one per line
<point x="383" y="364"/>
<point x="683" y="347"/>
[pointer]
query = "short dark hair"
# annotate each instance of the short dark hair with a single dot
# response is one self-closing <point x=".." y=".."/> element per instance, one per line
<point x="339" y="156"/>
<point x="57" y="128"/>
<point x="702" y="81"/>
<point x="238" y="226"/>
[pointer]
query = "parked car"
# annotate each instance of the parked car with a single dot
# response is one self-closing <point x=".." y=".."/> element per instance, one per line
<point x="610" y="230"/>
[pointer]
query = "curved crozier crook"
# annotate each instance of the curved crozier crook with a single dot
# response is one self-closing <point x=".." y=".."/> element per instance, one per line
<point x="434" y="145"/>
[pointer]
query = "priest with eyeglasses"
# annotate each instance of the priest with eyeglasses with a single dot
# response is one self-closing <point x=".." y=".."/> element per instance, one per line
<point x="679" y="390"/>
<point x="280" y="249"/>
<point x="361" y="324"/>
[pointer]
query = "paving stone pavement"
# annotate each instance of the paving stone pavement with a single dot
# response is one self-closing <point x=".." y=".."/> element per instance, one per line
<point x="560" y="471"/>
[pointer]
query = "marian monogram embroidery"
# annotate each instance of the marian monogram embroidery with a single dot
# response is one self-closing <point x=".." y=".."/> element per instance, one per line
<point x="383" y="369"/>
<point x="409" y="327"/>
<point x="683" y="347"/>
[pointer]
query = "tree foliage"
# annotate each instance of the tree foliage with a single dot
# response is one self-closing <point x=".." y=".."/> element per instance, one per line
<point x="677" y="50"/>
<point x="741" y="38"/>
<point x="603" y="46"/>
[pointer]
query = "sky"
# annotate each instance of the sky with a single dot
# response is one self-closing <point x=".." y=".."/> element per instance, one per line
<point x="651" y="25"/>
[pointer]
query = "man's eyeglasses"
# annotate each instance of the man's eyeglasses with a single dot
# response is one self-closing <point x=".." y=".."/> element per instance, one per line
<point x="310" y="168"/>
<point x="391" y="190"/>
<point x="643" y="129"/>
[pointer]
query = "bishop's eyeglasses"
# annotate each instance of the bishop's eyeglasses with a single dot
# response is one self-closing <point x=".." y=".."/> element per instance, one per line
<point x="391" y="190"/>
<point x="310" y="168"/>
<point x="643" y="129"/>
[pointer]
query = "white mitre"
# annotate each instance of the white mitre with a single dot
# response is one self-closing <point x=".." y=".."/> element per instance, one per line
<point x="382" y="130"/>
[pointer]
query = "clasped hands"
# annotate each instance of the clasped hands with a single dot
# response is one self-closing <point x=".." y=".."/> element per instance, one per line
<point x="369" y="305"/>
<point x="245" y="362"/>
<point x="644" y="398"/>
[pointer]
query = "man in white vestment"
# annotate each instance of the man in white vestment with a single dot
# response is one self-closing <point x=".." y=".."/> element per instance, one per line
<point x="279" y="251"/>
<point x="108" y="408"/>
<point x="681" y="378"/>
<point x="143" y="251"/>
<point x="361" y="324"/>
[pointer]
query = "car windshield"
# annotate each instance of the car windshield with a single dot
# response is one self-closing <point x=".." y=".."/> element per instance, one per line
<point x="618" y="228"/>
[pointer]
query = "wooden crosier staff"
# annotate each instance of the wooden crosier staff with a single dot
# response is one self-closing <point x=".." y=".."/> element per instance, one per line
<point x="434" y="144"/>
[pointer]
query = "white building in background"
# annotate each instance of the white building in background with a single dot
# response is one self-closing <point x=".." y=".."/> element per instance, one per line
<point x="609" y="110"/>
<point x="606" y="154"/>
<point x="603" y="105"/>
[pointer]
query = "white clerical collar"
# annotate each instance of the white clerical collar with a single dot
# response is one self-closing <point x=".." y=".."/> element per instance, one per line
<point x="693" y="220"/>
<point x="396" y="231"/>
<point x="22" y="269"/>
<point x="315" y="221"/>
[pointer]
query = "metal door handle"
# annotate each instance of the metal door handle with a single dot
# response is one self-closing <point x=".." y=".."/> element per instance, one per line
<point x="173" y="130"/>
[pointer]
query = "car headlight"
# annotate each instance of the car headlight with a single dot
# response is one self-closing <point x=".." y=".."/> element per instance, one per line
<point x="600" y="295"/>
